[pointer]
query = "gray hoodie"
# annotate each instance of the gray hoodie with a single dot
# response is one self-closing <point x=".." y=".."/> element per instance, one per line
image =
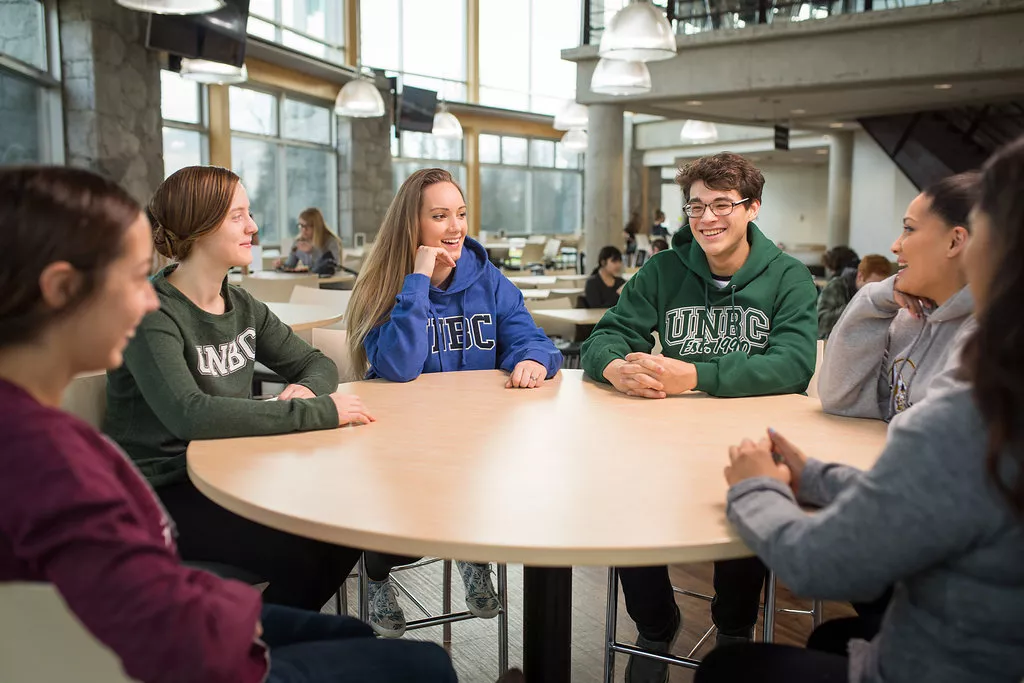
<point x="880" y="360"/>
<point x="926" y="517"/>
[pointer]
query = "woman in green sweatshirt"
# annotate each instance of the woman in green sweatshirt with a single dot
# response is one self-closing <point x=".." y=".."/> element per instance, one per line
<point x="187" y="374"/>
<point x="736" y="317"/>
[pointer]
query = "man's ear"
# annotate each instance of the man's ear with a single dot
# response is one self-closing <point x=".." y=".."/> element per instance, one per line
<point x="755" y="207"/>
<point x="59" y="283"/>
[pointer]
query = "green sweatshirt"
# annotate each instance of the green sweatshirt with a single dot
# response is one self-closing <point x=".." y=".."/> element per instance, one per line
<point x="187" y="375"/>
<point x="754" y="336"/>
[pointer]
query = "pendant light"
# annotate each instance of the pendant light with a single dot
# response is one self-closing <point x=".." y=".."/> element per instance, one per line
<point x="615" y="77"/>
<point x="698" y="131"/>
<point x="575" y="141"/>
<point x="639" y="32"/>
<point x="359" y="98"/>
<point x="172" y="6"/>
<point x="446" y="124"/>
<point x="213" y="73"/>
<point x="572" y="115"/>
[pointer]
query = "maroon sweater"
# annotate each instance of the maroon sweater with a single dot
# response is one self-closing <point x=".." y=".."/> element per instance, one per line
<point x="75" y="513"/>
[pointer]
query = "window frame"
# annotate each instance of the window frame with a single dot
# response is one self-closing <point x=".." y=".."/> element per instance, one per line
<point x="202" y="127"/>
<point x="280" y="28"/>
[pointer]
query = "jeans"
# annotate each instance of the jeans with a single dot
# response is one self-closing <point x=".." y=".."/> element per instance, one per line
<point x="309" y="647"/>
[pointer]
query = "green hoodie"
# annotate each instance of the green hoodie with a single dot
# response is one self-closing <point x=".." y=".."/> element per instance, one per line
<point x="755" y="336"/>
<point x="187" y="375"/>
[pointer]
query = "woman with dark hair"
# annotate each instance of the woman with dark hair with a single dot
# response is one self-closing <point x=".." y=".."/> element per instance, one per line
<point x="941" y="514"/>
<point x="75" y="513"/>
<point x="899" y="337"/>
<point x="605" y="282"/>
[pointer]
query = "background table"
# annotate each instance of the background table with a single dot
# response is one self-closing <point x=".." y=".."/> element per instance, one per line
<point x="301" y="317"/>
<point x="340" y="277"/>
<point x="477" y="472"/>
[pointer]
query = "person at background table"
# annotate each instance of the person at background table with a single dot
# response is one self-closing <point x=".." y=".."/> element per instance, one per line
<point x="74" y="511"/>
<point x="316" y="247"/>
<point x="898" y="337"/>
<point x="841" y="262"/>
<point x="428" y="300"/>
<point x="630" y="232"/>
<point x="605" y="282"/>
<point x="187" y="374"/>
<point x="940" y="514"/>
<point x="658" y="245"/>
<point x="658" y="229"/>
<point x="837" y="293"/>
<point x="736" y="317"/>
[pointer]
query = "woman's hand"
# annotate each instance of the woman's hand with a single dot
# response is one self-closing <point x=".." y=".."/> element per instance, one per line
<point x="791" y="456"/>
<point x="527" y="374"/>
<point x="351" y="410"/>
<point x="278" y="263"/>
<point x="428" y="257"/>
<point x="749" y="460"/>
<point x="915" y="305"/>
<point x="295" y="391"/>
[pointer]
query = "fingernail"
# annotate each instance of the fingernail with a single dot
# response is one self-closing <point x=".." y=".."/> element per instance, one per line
<point x="771" y="430"/>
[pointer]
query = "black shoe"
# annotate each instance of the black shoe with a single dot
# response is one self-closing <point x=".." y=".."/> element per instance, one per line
<point x="644" y="670"/>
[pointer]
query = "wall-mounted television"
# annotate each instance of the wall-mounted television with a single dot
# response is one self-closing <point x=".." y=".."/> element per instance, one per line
<point x="218" y="36"/>
<point x="416" y="108"/>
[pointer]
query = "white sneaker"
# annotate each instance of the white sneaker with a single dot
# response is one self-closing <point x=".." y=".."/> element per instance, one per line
<point x="481" y="600"/>
<point x="386" y="616"/>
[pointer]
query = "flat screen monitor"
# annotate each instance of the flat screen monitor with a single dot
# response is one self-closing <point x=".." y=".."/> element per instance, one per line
<point x="416" y="108"/>
<point x="218" y="36"/>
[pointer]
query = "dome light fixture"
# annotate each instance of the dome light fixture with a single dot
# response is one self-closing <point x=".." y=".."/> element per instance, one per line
<point x="698" y="131"/>
<point x="359" y="99"/>
<point x="572" y="115"/>
<point x="212" y="73"/>
<point x="575" y="141"/>
<point x="639" y="32"/>
<point x="615" y="77"/>
<point x="173" y="6"/>
<point x="446" y="124"/>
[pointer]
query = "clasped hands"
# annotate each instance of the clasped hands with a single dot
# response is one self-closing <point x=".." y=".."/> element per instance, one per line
<point x="651" y="376"/>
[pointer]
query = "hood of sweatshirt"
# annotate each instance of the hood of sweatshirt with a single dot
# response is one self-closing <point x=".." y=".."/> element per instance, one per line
<point x="762" y="252"/>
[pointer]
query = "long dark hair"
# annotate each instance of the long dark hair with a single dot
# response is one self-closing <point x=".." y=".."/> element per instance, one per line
<point x="608" y="253"/>
<point x="50" y="214"/>
<point x="993" y="360"/>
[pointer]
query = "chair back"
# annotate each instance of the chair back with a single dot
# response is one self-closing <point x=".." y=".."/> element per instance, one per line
<point x="812" y="388"/>
<point x="336" y="299"/>
<point x="533" y="252"/>
<point x="552" y="249"/>
<point x="334" y="345"/>
<point x="86" y="398"/>
<point x="42" y="640"/>
<point x="278" y="290"/>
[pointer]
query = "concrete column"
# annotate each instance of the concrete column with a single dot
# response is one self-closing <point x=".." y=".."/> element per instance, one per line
<point x="602" y="195"/>
<point x="111" y="94"/>
<point x="840" y="181"/>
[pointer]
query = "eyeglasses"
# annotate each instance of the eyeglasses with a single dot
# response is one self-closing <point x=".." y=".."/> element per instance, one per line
<point x="719" y="207"/>
<point x="304" y="225"/>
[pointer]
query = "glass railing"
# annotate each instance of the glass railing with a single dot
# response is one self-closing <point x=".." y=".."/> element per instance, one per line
<point x="699" y="16"/>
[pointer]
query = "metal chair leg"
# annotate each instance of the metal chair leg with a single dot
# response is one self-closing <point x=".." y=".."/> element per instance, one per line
<point x="817" y="613"/>
<point x="503" y="619"/>
<point x="768" y="630"/>
<point x="364" y="591"/>
<point x="610" y="617"/>
<point x="446" y="604"/>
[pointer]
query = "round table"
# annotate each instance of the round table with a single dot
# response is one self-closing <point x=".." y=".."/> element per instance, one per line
<point x="573" y="473"/>
<point x="301" y="317"/>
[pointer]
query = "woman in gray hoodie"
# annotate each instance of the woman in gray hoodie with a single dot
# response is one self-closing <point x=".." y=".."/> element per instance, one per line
<point x="941" y="514"/>
<point x="898" y="336"/>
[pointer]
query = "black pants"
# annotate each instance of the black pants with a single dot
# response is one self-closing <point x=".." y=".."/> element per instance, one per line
<point x="379" y="565"/>
<point x="302" y="573"/>
<point x="765" y="663"/>
<point x="651" y="602"/>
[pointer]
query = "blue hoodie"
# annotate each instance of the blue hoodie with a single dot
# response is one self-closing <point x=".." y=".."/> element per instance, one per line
<point x="479" y="323"/>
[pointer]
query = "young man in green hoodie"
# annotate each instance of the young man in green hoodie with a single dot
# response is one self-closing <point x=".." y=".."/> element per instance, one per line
<point x="736" y="317"/>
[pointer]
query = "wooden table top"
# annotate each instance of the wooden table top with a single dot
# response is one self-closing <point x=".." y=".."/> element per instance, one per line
<point x="337" y="278"/>
<point x="572" y="473"/>
<point x="302" y="317"/>
<point x="577" y="316"/>
<point x="551" y="293"/>
<point x="533" y="280"/>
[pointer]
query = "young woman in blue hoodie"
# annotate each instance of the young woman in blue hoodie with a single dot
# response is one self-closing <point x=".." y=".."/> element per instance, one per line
<point x="428" y="300"/>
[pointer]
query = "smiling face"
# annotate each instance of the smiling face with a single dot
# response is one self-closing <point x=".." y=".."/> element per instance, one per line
<point x="723" y="238"/>
<point x="230" y="244"/>
<point x="443" y="218"/>
<point x="927" y="252"/>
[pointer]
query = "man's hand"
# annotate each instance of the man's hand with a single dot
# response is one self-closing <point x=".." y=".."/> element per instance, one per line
<point x="676" y="376"/>
<point x="632" y="380"/>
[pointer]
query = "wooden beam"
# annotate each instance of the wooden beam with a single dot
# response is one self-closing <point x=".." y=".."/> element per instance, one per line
<point x="220" y="126"/>
<point x="471" y="139"/>
<point x="287" y="79"/>
<point x="352" y="32"/>
<point x="473" y="50"/>
<point x="485" y="122"/>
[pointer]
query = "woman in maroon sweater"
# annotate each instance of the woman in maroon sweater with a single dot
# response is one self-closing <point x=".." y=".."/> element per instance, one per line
<point x="75" y="256"/>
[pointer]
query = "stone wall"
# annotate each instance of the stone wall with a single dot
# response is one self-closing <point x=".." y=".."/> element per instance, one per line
<point x="111" y="94"/>
<point x="365" y="184"/>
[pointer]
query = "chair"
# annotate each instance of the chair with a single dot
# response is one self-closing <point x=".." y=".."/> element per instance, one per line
<point x="563" y="334"/>
<point x="42" y="640"/>
<point x="336" y="299"/>
<point x="552" y="253"/>
<point x="86" y="397"/>
<point x="533" y="255"/>
<point x="812" y="388"/>
<point x="277" y="290"/>
<point x="333" y="343"/>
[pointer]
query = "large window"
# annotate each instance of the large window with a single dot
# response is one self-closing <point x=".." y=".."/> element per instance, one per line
<point x="186" y="140"/>
<point x="30" y="98"/>
<point x="529" y="186"/>
<point x="521" y="66"/>
<point x="424" y="42"/>
<point x="313" y="27"/>
<point x="414" y="151"/>
<point x="284" y="150"/>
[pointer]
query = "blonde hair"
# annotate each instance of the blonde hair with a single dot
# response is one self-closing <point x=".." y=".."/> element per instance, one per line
<point x="188" y="205"/>
<point x="392" y="258"/>
<point x="322" y="235"/>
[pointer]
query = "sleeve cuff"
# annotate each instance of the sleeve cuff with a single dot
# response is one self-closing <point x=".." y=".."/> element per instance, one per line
<point x="812" y="485"/>
<point x="416" y="284"/>
<point x="746" y="486"/>
<point x="707" y="378"/>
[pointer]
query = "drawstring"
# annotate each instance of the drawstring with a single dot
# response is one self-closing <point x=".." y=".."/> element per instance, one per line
<point x="707" y="303"/>
<point x="903" y="365"/>
<point x="733" y="313"/>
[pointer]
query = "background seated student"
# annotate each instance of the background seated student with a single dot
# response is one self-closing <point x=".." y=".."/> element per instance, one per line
<point x="842" y="263"/>
<point x="658" y="228"/>
<point x="187" y="375"/>
<point x="316" y="248"/>
<point x="428" y="300"/>
<point x="898" y="336"/>
<point x="605" y="282"/>
<point x="75" y="513"/>
<point x="658" y="245"/>
<point x="735" y="317"/>
<point x="837" y="293"/>
<point x="941" y="513"/>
